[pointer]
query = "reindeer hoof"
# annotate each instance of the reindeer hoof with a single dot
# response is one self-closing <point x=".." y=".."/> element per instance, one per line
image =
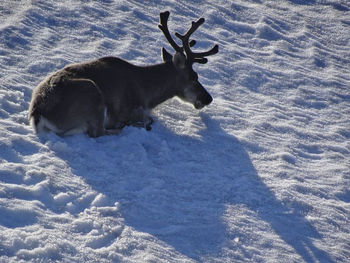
<point x="148" y="124"/>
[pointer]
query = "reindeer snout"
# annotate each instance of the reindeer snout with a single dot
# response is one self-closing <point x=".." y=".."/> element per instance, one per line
<point x="208" y="99"/>
<point x="203" y="100"/>
<point x="205" y="97"/>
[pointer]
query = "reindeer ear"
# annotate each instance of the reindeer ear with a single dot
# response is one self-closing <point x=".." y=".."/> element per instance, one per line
<point x="179" y="60"/>
<point x="167" y="57"/>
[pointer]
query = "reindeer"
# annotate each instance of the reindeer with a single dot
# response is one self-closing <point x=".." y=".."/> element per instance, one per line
<point x="102" y="96"/>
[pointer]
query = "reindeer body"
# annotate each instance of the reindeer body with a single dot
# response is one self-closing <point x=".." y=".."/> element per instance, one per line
<point x="102" y="96"/>
<point x="109" y="86"/>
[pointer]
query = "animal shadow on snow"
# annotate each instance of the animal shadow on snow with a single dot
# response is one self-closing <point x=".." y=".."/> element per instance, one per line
<point x="196" y="194"/>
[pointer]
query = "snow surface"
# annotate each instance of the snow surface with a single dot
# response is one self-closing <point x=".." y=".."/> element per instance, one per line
<point x="261" y="175"/>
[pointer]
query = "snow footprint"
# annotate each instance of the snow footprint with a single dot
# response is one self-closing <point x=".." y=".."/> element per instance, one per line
<point x="24" y="185"/>
<point x="106" y="238"/>
<point x="17" y="216"/>
<point x="100" y="223"/>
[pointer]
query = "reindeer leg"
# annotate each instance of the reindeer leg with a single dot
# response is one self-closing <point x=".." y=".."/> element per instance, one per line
<point x="140" y="118"/>
<point x="113" y="131"/>
<point x="148" y="122"/>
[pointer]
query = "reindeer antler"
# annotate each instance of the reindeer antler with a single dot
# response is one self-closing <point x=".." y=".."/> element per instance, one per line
<point x="164" y="27"/>
<point x="198" y="57"/>
<point x="195" y="56"/>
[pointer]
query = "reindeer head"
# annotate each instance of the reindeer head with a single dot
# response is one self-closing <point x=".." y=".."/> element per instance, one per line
<point x="189" y="88"/>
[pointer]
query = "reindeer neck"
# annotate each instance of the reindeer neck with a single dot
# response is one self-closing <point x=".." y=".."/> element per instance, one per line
<point x="158" y="83"/>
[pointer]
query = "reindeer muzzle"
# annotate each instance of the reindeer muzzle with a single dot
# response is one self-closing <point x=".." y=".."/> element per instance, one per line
<point x="203" y="100"/>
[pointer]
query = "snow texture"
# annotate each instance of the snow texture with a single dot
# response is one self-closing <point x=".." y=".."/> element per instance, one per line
<point x="261" y="175"/>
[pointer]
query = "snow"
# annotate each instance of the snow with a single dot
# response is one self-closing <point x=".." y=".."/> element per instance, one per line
<point x="261" y="175"/>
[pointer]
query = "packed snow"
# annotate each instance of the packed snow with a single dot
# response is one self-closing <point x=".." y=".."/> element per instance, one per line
<point x="260" y="175"/>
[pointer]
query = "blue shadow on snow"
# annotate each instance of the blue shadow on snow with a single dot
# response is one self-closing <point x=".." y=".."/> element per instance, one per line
<point x="188" y="185"/>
